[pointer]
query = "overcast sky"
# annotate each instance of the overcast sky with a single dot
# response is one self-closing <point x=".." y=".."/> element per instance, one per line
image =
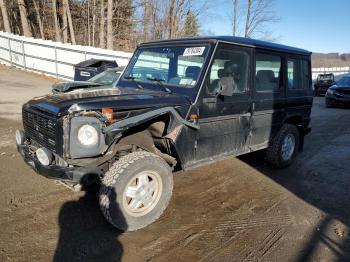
<point x="316" y="25"/>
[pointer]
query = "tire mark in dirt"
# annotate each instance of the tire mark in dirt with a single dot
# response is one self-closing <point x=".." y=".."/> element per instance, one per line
<point x="211" y="237"/>
<point x="277" y="203"/>
<point x="266" y="245"/>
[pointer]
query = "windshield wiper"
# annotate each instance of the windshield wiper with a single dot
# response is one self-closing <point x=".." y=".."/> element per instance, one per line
<point x="132" y="78"/>
<point x="160" y="82"/>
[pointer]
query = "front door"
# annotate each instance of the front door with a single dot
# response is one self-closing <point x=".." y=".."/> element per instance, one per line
<point x="225" y="104"/>
<point x="268" y="98"/>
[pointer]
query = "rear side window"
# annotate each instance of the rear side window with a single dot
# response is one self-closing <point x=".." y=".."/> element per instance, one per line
<point x="306" y="75"/>
<point x="268" y="73"/>
<point x="298" y="74"/>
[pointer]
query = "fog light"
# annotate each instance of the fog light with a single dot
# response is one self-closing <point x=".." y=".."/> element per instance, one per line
<point x="44" y="156"/>
<point x="19" y="137"/>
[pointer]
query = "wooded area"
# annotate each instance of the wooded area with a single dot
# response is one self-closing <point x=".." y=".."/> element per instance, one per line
<point x="108" y="24"/>
<point x="123" y="24"/>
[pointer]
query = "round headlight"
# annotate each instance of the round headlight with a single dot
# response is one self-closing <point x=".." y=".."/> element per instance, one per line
<point x="44" y="156"/>
<point x="87" y="135"/>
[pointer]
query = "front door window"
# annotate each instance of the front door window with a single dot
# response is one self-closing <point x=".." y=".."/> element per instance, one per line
<point x="229" y="72"/>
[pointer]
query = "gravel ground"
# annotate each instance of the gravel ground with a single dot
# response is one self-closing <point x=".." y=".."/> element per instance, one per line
<point x="239" y="209"/>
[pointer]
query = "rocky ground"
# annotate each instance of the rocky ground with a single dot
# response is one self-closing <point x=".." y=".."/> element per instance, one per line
<point x="239" y="209"/>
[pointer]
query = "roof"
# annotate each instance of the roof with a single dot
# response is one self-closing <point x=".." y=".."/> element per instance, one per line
<point x="235" y="40"/>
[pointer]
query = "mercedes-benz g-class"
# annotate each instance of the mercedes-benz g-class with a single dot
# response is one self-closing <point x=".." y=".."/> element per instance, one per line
<point x="179" y="104"/>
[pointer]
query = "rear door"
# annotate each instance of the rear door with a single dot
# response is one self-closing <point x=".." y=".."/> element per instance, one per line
<point x="299" y="87"/>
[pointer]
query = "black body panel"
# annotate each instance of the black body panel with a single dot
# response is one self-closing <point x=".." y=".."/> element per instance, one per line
<point x="204" y="125"/>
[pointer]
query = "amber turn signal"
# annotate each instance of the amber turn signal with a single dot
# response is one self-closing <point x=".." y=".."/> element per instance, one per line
<point x="194" y="117"/>
<point x="109" y="114"/>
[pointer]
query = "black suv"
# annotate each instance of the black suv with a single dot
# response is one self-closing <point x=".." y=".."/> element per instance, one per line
<point x="179" y="104"/>
<point x="323" y="82"/>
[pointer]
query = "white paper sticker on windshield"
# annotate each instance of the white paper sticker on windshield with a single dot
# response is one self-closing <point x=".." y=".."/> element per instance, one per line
<point x="191" y="51"/>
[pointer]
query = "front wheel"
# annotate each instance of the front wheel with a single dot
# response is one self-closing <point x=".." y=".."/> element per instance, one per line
<point x="136" y="190"/>
<point x="284" y="147"/>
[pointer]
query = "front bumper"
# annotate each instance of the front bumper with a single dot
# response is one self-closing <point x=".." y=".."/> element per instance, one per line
<point x="338" y="99"/>
<point x="71" y="174"/>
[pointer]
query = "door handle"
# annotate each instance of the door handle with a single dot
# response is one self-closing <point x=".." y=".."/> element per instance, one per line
<point x="252" y="108"/>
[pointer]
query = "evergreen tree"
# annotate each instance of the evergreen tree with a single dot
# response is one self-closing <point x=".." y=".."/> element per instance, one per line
<point x="191" y="26"/>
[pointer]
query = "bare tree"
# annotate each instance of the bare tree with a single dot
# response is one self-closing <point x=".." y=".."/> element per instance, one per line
<point x="27" y="31"/>
<point x="146" y="18"/>
<point x="235" y="17"/>
<point x="128" y="21"/>
<point x="5" y="17"/>
<point x="110" y="24"/>
<point x="93" y="22"/>
<point x="56" y="23"/>
<point x="248" y="20"/>
<point x="38" y="17"/>
<point x="259" y="14"/>
<point x="70" y="22"/>
<point x="102" y="24"/>
<point x="64" y="24"/>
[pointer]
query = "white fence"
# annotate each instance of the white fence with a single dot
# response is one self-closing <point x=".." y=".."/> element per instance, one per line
<point x="337" y="71"/>
<point x="57" y="59"/>
<point x="51" y="58"/>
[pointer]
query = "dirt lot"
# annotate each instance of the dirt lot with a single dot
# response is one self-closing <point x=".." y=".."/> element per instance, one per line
<point x="235" y="210"/>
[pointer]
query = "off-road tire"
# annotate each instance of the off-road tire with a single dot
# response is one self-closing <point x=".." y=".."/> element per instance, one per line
<point x="115" y="182"/>
<point x="274" y="151"/>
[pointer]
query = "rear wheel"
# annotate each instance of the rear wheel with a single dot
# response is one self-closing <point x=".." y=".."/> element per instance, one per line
<point x="136" y="190"/>
<point x="284" y="146"/>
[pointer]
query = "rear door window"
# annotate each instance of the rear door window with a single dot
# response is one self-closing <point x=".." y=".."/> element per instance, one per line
<point x="294" y="74"/>
<point x="298" y="74"/>
<point x="268" y="73"/>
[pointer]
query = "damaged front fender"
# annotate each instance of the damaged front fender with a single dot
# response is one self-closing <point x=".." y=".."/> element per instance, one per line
<point x="115" y="130"/>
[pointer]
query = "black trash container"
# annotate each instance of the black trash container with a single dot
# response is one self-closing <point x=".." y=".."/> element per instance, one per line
<point x="83" y="71"/>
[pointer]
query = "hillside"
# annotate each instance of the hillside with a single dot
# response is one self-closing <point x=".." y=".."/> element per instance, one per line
<point x="330" y="60"/>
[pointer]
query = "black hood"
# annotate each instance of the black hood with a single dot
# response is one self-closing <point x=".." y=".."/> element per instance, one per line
<point x="116" y="98"/>
<point x="69" y="86"/>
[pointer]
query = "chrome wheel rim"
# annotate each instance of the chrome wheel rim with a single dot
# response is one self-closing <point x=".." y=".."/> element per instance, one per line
<point x="142" y="193"/>
<point x="288" y="147"/>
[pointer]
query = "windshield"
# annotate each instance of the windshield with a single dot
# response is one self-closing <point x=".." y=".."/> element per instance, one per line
<point x="108" y="78"/>
<point x="345" y="81"/>
<point x="177" y="67"/>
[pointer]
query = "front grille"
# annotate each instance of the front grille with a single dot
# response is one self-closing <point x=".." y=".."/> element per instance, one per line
<point x="40" y="127"/>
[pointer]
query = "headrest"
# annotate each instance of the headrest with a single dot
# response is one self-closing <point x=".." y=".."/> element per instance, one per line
<point x="230" y="67"/>
<point x="265" y="75"/>
<point x="192" y="71"/>
<point x="221" y="73"/>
